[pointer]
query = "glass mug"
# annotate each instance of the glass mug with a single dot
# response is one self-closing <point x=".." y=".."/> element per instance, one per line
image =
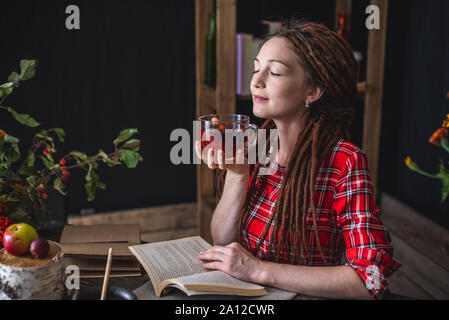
<point x="219" y="129"/>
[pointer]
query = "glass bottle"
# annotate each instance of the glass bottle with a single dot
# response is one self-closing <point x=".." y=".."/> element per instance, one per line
<point x="211" y="40"/>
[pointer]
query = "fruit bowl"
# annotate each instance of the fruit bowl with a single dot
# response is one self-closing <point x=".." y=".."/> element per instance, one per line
<point x="25" y="277"/>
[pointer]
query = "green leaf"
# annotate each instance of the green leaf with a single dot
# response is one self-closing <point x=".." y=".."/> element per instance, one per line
<point x="28" y="170"/>
<point x="92" y="183"/>
<point x="125" y="135"/>
<point x="31" y="160"/>
<point x="24" y="119"/>
<point x="27" y="69"/>
<point x="79" y="155"/>
<point x="130" y="158"/>
<point x="93" y="161"/>
<point x="14" y="77"/>
<point x="10" y="148"/>
<point x="6" y="88"/>
<point x="47" y="163"/>
<point x="31" y="180"/>
<point x="44" y="135"/>
<point x="10" y="139"/>
<point x="7" y="85"/>
<point x="102" y="154"/>
<point x="133" y="144"/>
<point x="59" y="185"/>
<point x="60" y="133"/>
<point x="112" y="162"/>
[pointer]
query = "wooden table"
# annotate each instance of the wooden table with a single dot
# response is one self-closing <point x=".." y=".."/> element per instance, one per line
<point x="54" y="230"/>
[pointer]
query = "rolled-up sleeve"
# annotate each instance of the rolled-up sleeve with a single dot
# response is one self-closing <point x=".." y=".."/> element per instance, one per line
<point x="368" y="245"/>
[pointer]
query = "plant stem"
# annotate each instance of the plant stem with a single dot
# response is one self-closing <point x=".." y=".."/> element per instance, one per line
<point x="445" y="144"/>
<point x="427" y="174"/>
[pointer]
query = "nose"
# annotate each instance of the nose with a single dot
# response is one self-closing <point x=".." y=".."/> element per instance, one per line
<point x="258" y="81"/>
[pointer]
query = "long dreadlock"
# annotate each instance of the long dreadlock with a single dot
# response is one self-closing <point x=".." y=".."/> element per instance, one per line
<point x="329" y="63"/>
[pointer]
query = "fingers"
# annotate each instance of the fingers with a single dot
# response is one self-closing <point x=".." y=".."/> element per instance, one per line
<point x="211" y="158"/>
<point x="212" y="265"/>
<point x="198" y="149"/>
<point x="212" y="256"/>
<point x="214" y="253"/>
<point x="208" y="154"/>
<point x="215" y="120"/>
<point x="215" y="157"/>
<point x="220" y="160"/>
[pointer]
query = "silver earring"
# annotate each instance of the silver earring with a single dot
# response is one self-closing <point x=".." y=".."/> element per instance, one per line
<point x="307" y="104"/>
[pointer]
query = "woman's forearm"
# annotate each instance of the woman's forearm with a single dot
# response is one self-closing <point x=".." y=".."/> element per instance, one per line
<point x="224" y="222"/>
<point x="335" y="282"/>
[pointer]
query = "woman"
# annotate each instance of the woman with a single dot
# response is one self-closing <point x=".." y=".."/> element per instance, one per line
<point x="290" y="229"/>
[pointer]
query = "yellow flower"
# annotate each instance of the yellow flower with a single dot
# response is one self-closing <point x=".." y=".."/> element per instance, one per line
<point x="409" y="163"/>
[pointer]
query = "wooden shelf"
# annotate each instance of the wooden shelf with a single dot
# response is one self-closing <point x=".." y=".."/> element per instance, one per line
<point x="208" y="97"/>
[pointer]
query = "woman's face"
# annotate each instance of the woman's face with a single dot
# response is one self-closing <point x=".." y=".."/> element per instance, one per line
<point x="278" y="85"/>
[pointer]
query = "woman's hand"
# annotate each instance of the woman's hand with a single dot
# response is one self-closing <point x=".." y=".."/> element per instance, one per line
<point x="216" y="159"/>
<point x="234" y="260"/>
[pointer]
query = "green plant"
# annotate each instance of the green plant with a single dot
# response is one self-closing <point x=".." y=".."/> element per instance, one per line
<point x="24" y="184"/>
<point x="438" y="139"/>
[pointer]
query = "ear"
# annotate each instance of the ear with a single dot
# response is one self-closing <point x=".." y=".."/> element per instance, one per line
<point x="314" y="93"/>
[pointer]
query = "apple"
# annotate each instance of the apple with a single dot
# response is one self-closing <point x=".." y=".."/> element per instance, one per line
<point x="39" y="248"/>
<point x="17" y="238"/>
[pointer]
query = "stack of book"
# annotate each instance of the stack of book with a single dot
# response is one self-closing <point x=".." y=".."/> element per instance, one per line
<point x="87" y="248"/>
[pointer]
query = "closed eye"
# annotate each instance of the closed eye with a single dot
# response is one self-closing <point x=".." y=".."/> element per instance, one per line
<point x="271" y="72"/>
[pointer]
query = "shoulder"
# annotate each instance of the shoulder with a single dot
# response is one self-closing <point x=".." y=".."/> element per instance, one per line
<point x="346" y="155"/>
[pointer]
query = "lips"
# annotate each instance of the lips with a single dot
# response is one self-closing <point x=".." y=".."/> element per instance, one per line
<point x="259" y="98"/>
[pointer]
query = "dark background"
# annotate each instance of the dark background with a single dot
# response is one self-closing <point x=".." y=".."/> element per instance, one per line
<point x="132" y="64"/>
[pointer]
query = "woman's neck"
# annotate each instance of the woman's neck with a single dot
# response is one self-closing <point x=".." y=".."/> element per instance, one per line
<point x="288" y="137"/>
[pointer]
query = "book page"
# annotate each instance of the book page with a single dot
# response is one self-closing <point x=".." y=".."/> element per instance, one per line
<point x="217" y="282"/>
<point x="171" y="259"/>
<point x="217" y="279"/>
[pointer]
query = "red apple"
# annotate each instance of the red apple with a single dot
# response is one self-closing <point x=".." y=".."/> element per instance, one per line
<point x="39" y="248"/>
<point x="17" y="238"/>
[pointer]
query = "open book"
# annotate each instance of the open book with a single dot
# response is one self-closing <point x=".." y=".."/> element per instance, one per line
<point x="175" y="264"/>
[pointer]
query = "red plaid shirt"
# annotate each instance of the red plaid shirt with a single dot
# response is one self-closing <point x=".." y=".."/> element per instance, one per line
<point x="346" y="217"/>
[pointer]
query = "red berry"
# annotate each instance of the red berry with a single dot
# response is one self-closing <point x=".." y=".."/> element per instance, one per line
<point x="45" y="152"/>
<point x="36" y="205"/>
<point x="65" y="173"/>
<point x="44" y="196"/>
<point x="65" y="178"/>
<point x="62" y="162"/>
